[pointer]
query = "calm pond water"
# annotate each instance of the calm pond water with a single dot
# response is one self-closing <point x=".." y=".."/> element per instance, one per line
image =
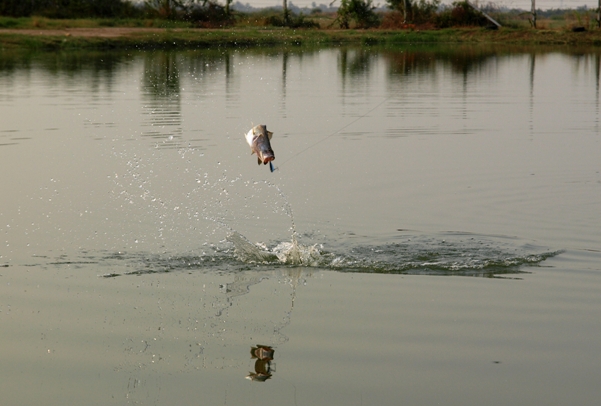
<point x="430" y="234"/>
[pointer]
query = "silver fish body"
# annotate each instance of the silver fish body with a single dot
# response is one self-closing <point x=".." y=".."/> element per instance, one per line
<point x="258" y="138"/>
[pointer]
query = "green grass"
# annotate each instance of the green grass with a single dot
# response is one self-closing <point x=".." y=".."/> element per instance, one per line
<point x="180" y="35"/>
<point x="11" y="22"/>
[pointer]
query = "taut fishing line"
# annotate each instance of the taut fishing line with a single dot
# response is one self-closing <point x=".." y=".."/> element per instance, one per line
<point x="330" y="135"/>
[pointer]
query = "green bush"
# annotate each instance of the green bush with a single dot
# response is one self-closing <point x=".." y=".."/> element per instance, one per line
<point x="418" y="11"/>
<point x="460" y="14"/>
<point x="68" y="8"/>
<point x="9" y="22"/>
<point x="209" y="15"/>
<point x="293" y="21"/>
<point x="361" y="12"/>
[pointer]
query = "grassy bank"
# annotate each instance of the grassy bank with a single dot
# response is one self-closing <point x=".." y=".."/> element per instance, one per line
<point x="136" y="37"/>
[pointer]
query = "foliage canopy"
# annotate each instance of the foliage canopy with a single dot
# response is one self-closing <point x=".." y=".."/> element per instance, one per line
<point x="417" y="11"/>
<point x="361" y="12"/>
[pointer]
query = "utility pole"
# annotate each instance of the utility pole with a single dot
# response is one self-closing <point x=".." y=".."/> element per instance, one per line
<point x="286" y="12"/>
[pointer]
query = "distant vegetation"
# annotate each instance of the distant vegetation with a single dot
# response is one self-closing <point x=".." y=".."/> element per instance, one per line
<point x="398" y="14"/>
<point x="68" y="8"/>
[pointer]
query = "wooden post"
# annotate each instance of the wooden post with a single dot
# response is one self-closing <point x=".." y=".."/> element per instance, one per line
<point x="533" y="14"/>
<point x="405" y="11"/>
<point x="285" y="12"/>
<point x="599" y="14"/>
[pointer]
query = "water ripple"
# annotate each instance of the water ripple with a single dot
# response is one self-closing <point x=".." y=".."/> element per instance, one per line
<point x="461" y="255"/>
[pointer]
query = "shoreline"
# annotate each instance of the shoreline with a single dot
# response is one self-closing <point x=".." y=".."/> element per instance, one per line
<point x="172" y="38"/>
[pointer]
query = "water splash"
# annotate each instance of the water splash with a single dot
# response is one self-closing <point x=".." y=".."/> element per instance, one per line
<point x="288" y="253"/>
<point x="231" y="205"/>
<point x="423" y="255"/>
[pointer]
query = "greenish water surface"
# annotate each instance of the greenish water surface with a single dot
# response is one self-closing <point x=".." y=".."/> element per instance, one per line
<point x="430" y="234"/>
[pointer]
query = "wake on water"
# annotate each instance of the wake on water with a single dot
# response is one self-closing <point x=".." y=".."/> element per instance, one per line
<point x="451" y="253"/>
<point x="455" y="254"/>
<point x="461" y="254"/>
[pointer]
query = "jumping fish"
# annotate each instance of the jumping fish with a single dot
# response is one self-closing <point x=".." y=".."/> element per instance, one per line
<point x="258" y="138"/>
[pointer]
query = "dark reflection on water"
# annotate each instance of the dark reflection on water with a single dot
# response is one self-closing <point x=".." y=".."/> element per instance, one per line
<point x="162" y="77"/>
<point x="463" y="60"/>
<point x="161" y="98"/>
<point x="263" y="354"/>
<point x="162" y="74"/>
<point x="355" y="62"/>
<point x="163" y="69"/>
<point x="98" y="68"/>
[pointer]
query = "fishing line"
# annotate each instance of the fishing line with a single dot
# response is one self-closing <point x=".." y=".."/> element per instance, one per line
<point x="330" y="135"/>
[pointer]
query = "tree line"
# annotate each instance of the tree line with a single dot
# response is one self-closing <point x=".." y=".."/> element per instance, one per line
<point x="68" y="8"/>
<point x="350" y="13"/>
